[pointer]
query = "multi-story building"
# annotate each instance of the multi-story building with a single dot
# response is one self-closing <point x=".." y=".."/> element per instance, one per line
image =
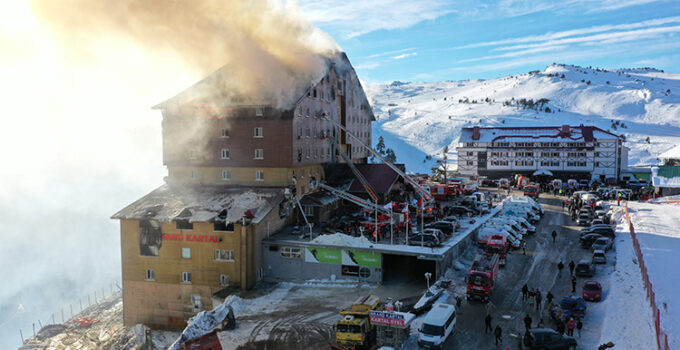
<point x="566" y="151"/>
<point x="234" y="162"/>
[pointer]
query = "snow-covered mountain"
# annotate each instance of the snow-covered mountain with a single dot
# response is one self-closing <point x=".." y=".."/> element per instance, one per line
<point x="419" y="119"/>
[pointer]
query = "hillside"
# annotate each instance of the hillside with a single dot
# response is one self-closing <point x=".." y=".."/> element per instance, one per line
<point x="419" y="119"/>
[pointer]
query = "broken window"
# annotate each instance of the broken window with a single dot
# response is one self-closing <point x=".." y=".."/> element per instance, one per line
<point x="184" y="225"/>
<point x="150" y="237"/>
<point x="224" y="255"/>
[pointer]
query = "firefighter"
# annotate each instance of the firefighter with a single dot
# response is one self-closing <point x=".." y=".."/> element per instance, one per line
<point x="554" y="235"/>
<point x="560" y="266"/>
<point x="498" y="332"/>
<point x="487" y="324"/>
<point x="527" y="322"/>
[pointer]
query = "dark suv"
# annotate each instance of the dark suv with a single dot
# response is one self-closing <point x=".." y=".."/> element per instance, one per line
<point x="604" y="230"/>
<point x="546" y="338"/>
<point x="585" y="268"/>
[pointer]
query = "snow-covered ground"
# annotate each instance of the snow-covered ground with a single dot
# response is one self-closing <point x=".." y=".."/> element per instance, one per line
<point x="419" y="119"/>
<point x="656" y="226"/>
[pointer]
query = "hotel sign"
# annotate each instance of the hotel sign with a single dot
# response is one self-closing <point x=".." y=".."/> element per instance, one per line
<point x="190" y="238"/>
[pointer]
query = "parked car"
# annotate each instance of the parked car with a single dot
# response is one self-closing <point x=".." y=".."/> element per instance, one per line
<point x="573" y="306"/>
<point x="592" y="291"/>
<point x="602" y="243"/>
<point x="445" y="226"/>
<point x="596" y="222"/>
<point x="425" y="239"/>
<point x="585" y="268"/>
<point x="588" y="240"/>
<point x="459" y="210"/>
<point x="583" y="219"/>
<point x="599" y="256"/>
<point x="607" y="231"/>
<point x="433" y="231"/>
<point x="546" y="338"/>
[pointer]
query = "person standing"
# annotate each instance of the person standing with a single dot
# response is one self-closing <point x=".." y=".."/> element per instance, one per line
<point x="579" y="326"/>
<point x="571" y="267"/>
<point x="532" y="299"/>
<point x="487" y="324"/>
<point x="560" y="327"/>
<point x="524" y="247"/>
<point x="549" y="297"/>
<point x="527" y="322"/>
<point x="573" y="284"/>
<point x="554" y="235"/>
<point x="560" y="266"/>
<point x="570" y="327"/>
<point x="529" y="340"/>
<point x="498" y="332"/>
<point x="538" y="299"/>
<point x="525" y="292"/>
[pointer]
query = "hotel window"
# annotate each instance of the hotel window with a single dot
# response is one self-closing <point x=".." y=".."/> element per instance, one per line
<point x="224" y="280"/>
<point x="194" y="174"/>
<point x="308" y="132"/>
<point x="290" y="252"/>
<point x="471" y="153"/>
<point x="258" y="132"/>
<point x="469" y="144"/>
<point x="581" y="164"/>
<point x="528" y="154"/>
<point x="545" y="154"/>
<point x="597" y="164"/>
<point x="226" y="175"/>
<point x="554" y="163"/>
<point x="555" y="144"/>
<point x="186" y="277"/>
<point x="150" y="275"/>
<point x="224" y="255"/>
<point x="259" y="112"/>
<point x="309" y="152"/>
<point x="469" y="162"/>
<point x="581" y="154"/>
<point x="259" y="175"/>
<point x="597" y="154"/>
<point x="544" y="163"/>
<point x="555" y="154"/>
<point x="224" y="153"/>
<point x="259" y="153"/>
<point x="186" y="253"/>
<point x="225" y="133"/>
<point x="307" y="115"/>
<point x="309" y="210"/>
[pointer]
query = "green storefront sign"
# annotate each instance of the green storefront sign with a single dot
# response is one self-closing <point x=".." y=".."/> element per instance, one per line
<point x="364" y="258"/>
<point x="323" y="255"/>
<point x="342" y="257"/>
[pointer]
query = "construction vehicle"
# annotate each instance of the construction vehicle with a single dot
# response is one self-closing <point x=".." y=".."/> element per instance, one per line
<point x="481" y="278"/>
<point x="355" y="330"/>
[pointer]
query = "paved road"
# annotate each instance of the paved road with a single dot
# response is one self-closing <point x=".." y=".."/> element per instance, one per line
<point x="538" y="269"/>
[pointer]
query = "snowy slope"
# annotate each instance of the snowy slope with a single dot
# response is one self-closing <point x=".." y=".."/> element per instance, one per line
<point x="418" y="119"/>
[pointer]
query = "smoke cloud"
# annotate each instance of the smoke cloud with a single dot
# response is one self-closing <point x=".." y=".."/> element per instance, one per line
<point x="268" y="50"/>
<point x="78" y="136"/>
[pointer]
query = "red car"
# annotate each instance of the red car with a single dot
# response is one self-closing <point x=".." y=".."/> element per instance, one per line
<point x="592" y="291"/>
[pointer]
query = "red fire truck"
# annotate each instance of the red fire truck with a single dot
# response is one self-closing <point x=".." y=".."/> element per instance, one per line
<point x="497" y="244"/>
<point x="444" y="192"/>
<point x="481" y="278"/>
<point x="531" y="191"/>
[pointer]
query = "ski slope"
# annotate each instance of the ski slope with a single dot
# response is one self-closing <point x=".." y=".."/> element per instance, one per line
<point x="419" y="119"/>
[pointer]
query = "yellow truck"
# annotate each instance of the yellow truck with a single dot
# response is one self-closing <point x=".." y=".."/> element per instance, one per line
<point x="354" y="330"/>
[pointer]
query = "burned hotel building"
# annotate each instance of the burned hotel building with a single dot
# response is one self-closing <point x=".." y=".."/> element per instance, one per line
<point x="235" y="160"/>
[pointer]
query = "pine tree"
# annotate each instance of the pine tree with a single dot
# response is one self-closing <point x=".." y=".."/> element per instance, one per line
<point x="380" y="147"/>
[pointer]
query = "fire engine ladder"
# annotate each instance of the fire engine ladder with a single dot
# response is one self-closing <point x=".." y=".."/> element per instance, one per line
<point x="424" y="194"/>
<point x="367" y="186"/>
<point x="354" y="199"/>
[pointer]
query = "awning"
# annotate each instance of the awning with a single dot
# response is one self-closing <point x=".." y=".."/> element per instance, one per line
<point x="543" y="172"/>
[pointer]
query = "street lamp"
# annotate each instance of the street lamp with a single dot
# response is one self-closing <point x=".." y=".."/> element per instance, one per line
<point x="427" y="276"/>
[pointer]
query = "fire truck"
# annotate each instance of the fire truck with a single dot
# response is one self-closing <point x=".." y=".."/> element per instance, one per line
<point x="444" y="191"/>
<point x="531" y="191"/>
<point x="481" y="278"/>
<point x="497" y="244"/>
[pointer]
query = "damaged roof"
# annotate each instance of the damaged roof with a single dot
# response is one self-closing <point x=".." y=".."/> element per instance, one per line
<point x="203" y="204"/>
<point x="318" y="199"/>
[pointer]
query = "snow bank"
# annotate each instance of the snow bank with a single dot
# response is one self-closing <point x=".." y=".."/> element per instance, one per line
<point x="656" y="226"/>
<point x="624" y="314"/>
<point x="341" y="239"/>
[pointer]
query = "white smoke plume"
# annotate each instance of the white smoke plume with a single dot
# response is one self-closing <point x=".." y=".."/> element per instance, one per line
<point x="78" y="136"/>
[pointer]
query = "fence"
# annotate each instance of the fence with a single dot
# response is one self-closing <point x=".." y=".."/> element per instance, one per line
<point x="75" y="309"/>
<point x="661" y="337"/>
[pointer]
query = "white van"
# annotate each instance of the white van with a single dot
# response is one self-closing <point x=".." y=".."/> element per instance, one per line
<point x="506" y="227"/>
<point x="437" y="326"/>
<point x="485" y="232"/>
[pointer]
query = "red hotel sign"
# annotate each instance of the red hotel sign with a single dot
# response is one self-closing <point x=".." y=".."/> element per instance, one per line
<point x="387" y="318"/>
<point x="190" y="238"/>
